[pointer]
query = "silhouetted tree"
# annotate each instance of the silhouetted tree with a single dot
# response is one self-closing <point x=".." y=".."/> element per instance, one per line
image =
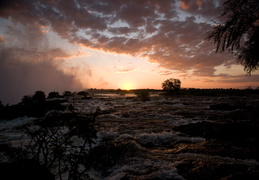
<point x="67" y="93"/>
<point x="239" y="33"/>
<point x="60" y="142"/>
<point x="83" y="93"/>
<point x="53" y="95"/>
<point x="1" y="105"/>
<point x="171" y="85"/>
<point x="39" y="96"/>
<point x="26" y="100"/>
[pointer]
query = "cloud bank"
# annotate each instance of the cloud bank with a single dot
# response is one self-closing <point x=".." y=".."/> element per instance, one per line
<point x="18" y="77"/>
<point x="168" y="32"/>
<point x="28" y="64"/>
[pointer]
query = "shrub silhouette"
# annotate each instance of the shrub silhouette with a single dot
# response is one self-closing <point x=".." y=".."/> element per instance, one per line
<point x="84" y="94"/>
<point x="143" y="95"/>
<point x="67" y="93"/>
<point x="53" y="95"/>
<point x="32" y="106"/>
<point x="59" y="142"/>
<point x="26" y="100"/>
<point x="39" y="96"/>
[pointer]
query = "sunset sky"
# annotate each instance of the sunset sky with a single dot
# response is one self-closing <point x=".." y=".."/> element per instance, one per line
<point x="58" y="45"/>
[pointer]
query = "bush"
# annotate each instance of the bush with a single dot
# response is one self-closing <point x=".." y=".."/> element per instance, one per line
<point x="143" y="95"/>
<point x="39" y="96"/>
<point x="67" y="93"/>
<point x="53" y="95"/>
<point x="84" y="94"/>
<point x="26" y="100"/>
<point x="59" y="142"/>
<point x="30" y="107"/>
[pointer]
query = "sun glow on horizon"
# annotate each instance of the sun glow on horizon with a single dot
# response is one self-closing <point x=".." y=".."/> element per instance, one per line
<point x="127" y="86"/>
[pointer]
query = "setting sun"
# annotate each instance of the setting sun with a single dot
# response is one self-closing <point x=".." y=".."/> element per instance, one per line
<point x="127" y="86"/>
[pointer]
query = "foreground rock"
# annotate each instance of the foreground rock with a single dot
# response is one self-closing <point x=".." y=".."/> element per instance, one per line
<point x="237" y="140"/>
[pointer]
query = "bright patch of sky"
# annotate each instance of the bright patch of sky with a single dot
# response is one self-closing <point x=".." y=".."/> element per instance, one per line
<point x="232" y="70"/>
<point x="118" y="24"/>
<point x="99" y="69"/>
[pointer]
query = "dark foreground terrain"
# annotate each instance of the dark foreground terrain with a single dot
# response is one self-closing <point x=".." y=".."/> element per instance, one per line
<point x="166" y="137"/>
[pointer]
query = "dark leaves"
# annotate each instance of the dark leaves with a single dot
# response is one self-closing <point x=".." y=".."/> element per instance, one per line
<point x="239" y="32"/>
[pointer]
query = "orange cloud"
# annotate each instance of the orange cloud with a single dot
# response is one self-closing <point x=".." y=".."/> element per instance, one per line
<point x="123" y="69"/>
<point x="184" y="5"/>
<point x="2" y="39"/>
<point x="199" y="2"/>
<point x="165" y="73"/>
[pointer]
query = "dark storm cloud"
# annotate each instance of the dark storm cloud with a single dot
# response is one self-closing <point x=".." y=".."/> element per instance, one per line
<point x="27" y="64"/>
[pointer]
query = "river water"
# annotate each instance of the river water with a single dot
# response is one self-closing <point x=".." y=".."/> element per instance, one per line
<point x="140" y="142"/>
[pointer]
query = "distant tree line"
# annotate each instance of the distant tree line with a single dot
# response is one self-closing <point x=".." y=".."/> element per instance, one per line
<point x="38" y="104"/>
<point x="218" y="92"/>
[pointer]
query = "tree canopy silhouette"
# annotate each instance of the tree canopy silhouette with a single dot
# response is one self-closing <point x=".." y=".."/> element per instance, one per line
<point x="171" y="85"/>
<point x="239" y="33"/>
